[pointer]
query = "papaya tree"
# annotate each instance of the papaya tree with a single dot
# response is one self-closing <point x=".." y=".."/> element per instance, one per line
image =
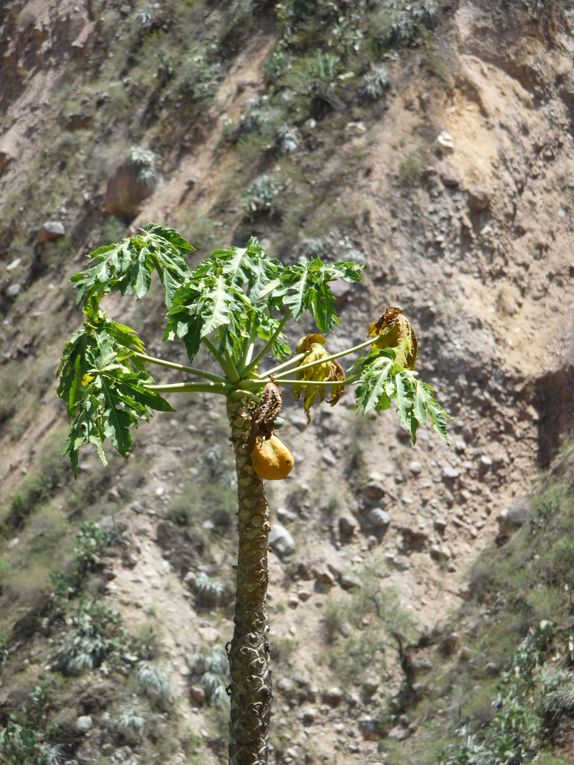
<point x="237" y="306"/>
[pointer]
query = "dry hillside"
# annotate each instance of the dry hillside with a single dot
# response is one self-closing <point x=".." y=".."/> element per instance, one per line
<point x="436" y="145"/>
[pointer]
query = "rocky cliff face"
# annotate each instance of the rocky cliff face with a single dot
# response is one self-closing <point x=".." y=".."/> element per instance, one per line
<point x="453" y="178"/>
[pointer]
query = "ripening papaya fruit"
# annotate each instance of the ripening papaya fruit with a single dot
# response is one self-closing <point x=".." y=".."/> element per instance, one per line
<point x="271" y="459"/>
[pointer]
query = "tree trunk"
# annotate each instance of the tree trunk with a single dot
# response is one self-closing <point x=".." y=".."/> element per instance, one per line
<point x="249" y="651"/>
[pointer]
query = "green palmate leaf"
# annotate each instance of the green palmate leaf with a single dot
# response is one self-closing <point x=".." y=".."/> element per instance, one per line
<point x="305" y="287"/>
<point x="169" y="235"/>
<point x="383" y="381"/>
<point x="229" y="295"/>
<point x="216" y="306"/>
<point x="104" y="387"/>
<point x="128" y="265"/>
<point x="270" y="329"/>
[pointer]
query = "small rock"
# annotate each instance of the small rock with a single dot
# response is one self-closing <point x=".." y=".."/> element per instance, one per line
<point x="333" y="696"/>
<point x="5" y="159"/>
<point x="465" y="654"/>
<point x="378" y="519"/>
<point x="440" y="524"/>
<point x="84" y="723"/>
<point x="285" y="686"/>
<point x="450" y="473"/>
<point x="369" y="728"/>
<point x="50" y="231"/>
<point x="324" y="579"/>
<point x="414" y="539"/>
<point x="401" y="563"/>
<point x="449" y="176"/>
<point x="14" y="542"/>
<point x="78" y="121"/>
<point x="515" y="516"/>
<point x="440" y="552"/>
<point x="479" y="198"/>
<point x="13" y="290"/>
<point x="355" y="129"/>
<point x="197" y="694"/>
<point x="304" y="594"/>
<point x="348" y="525"/>
<point x="308" y="715"/>
<point x="398" y="733"/>
<point x="349" y="582"/>
<point x="445" y="140"/>
<point x="415" y="467"/>
<point x="286" y="515"/>
<point x="421" y="665"/>
<point x="328" y="457"/>
<point x="280" y="540"/>
<point x="370" y="686"/>
<point x="374" y="490"/>
<point x="449" y="643"/>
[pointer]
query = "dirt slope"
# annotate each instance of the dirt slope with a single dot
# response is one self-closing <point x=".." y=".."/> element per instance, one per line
<point x="471" y="234"/>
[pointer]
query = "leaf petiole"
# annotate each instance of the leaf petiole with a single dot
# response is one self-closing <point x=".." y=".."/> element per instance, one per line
<point x="192" y="387"/>
<point x="179" y="367"/>
<point x="315" y="383"/>
<point x="226" y="364"/>
<point x="324" y="360"/>
<point x="268" y="345"/>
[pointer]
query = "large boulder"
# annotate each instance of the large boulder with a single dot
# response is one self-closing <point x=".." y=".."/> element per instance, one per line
<point x="132" y="181"/>
<point x="280" y="540"/>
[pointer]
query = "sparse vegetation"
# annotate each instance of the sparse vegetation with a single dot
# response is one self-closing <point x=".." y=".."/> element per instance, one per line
<point x="213" y="671"/>
<point x="94" y="634"/>
<point x="153" y="682"/>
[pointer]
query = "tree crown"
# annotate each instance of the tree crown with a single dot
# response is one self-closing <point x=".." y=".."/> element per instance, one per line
<point x="235" y="304"/>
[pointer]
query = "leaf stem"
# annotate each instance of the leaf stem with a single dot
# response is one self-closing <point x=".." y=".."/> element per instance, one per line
<point x="268" y="344"/>
<point x="180" y="367"/>
<point x="250" y="346"/>
<point x="226" y="364"/>
<point x="315" y="383"/>
<point x="324" y="360"/>
<point x="284" y="366"/>
<point x="192" y="387"/>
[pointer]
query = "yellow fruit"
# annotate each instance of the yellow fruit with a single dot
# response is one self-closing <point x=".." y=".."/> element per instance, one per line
<point x="271" y="459"/>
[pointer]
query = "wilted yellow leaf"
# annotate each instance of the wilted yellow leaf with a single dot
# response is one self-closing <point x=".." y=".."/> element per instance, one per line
<point x="393" y="330"/>
<point x="314" y="348"/>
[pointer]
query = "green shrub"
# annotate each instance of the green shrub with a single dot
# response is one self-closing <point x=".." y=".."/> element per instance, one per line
<point x="20" y="745"/>
<point x="198" y="78"/>
<point x="154" y="684"/>
<point x="374" y="83"/>
<point x="143" y="162"/>
<point x="36" y="489"/>
<point x="213" y="669"/>
<point x="94" y="635"/>
<point x="314" y="75"/>
<point x="209" y="591"/>
<point x="92" y="540"/>
<point x="517" y="730"/>
<point x="411" y="169"/>
<point x="131" y="724"/>
<point x="260" y="195"/>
